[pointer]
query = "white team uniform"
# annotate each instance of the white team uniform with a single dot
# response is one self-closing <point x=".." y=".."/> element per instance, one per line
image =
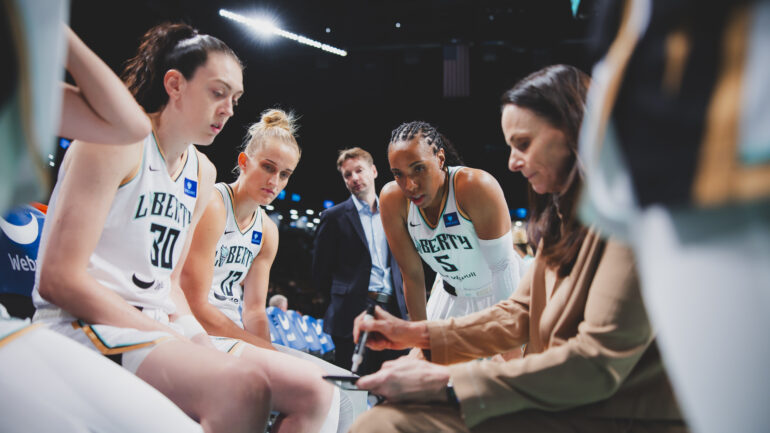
<point x="51" y="383"/>
<point x="451" y="249"/>
<point x="143" y="236"/>
<point x="236" y="249"/>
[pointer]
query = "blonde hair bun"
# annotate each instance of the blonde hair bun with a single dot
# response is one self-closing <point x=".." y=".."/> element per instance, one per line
<point x="274" y="118"/>
<point x="274" y="123"/>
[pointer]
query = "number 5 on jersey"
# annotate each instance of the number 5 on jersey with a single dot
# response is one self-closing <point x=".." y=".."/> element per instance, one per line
<point x="444" y="264"/>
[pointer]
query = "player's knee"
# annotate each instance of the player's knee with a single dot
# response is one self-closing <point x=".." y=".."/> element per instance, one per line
<point x="319" y="392"/>
<point x="249" y="385"/>
<point x="315" y="394"/>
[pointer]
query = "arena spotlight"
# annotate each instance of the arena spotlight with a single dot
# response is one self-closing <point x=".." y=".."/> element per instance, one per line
<point x="263" y="26"/>
<point x="309" y="212"/>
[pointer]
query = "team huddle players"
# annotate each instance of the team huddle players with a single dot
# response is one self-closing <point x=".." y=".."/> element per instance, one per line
<point x="151" y="279"/>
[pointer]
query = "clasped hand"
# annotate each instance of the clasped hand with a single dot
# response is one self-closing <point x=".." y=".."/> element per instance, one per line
<point x="408" y="379"/>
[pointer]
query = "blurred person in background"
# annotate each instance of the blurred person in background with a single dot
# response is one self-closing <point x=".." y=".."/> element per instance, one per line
<point x="280" y="302"/>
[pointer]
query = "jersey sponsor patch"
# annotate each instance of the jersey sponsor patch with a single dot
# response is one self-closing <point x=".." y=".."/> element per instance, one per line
<point x="451" y="219"/>
<point x="190" y="187"/>
<point x="256" y="237"/>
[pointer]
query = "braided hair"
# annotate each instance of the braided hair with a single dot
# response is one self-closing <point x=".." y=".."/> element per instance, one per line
<point x="164" y="47"/>
<point x="431" y="137"/>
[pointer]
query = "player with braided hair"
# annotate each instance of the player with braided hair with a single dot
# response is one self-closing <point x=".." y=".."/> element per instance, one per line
<point x="455" y="218"/>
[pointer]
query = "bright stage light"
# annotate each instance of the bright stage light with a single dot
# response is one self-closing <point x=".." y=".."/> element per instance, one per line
<point x="264" y="26"/>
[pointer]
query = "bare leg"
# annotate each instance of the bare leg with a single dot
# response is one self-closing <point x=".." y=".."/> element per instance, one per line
<point x="221" y="391"/>
<point x="299" y="392"/>
<point x="51" y="383"/>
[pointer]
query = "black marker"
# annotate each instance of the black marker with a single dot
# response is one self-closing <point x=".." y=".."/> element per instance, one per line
<point x="358" y="352"/>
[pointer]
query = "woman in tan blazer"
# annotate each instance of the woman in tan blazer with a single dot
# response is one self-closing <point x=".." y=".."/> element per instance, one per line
<point x="590" y="362"/>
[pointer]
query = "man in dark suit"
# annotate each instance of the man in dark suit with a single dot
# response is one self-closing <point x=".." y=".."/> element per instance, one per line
<point x="352" y="263"/>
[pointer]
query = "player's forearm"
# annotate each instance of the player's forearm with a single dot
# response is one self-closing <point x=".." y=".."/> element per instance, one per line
<point x="255" y="325"/>
<point x="85" y="298"/>
<point x="214" y="321"/>
<point x="414" y="294"/>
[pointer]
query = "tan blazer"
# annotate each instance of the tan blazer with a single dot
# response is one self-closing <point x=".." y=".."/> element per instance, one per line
<point x="589" y="345"/>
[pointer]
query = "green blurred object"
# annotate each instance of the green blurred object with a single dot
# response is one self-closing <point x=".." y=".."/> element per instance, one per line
<point x="575" y="6"/>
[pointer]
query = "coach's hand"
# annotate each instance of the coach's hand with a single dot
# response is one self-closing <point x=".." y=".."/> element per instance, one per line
<point x="408" y="379"/>
<point x="389" y="332"/>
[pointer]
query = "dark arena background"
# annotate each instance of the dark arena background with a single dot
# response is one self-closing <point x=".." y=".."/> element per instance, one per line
<point x="442" y="61"/>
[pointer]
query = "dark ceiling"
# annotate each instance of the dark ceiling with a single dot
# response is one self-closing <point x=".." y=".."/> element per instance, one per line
<point x="391" y="75"/>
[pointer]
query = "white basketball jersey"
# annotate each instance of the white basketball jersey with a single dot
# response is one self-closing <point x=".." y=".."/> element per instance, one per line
<point x="451" y="248"/>
<point x="144" y="233"/>
<point x="236" y="249"/>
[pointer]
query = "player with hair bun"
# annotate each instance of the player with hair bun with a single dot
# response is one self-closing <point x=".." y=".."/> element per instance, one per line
<point x="226" y="273"/>
<point x="235" y="243"/>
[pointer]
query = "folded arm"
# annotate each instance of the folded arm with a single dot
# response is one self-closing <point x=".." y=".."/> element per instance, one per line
<point x="100" y="109"/>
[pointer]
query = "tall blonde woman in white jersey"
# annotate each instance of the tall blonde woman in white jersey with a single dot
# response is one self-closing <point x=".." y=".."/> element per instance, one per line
<point x="235" y="243"/>
<point x="121" y="284"/>
<point x="455" y="218"/>
<point x="226" y="273"/>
